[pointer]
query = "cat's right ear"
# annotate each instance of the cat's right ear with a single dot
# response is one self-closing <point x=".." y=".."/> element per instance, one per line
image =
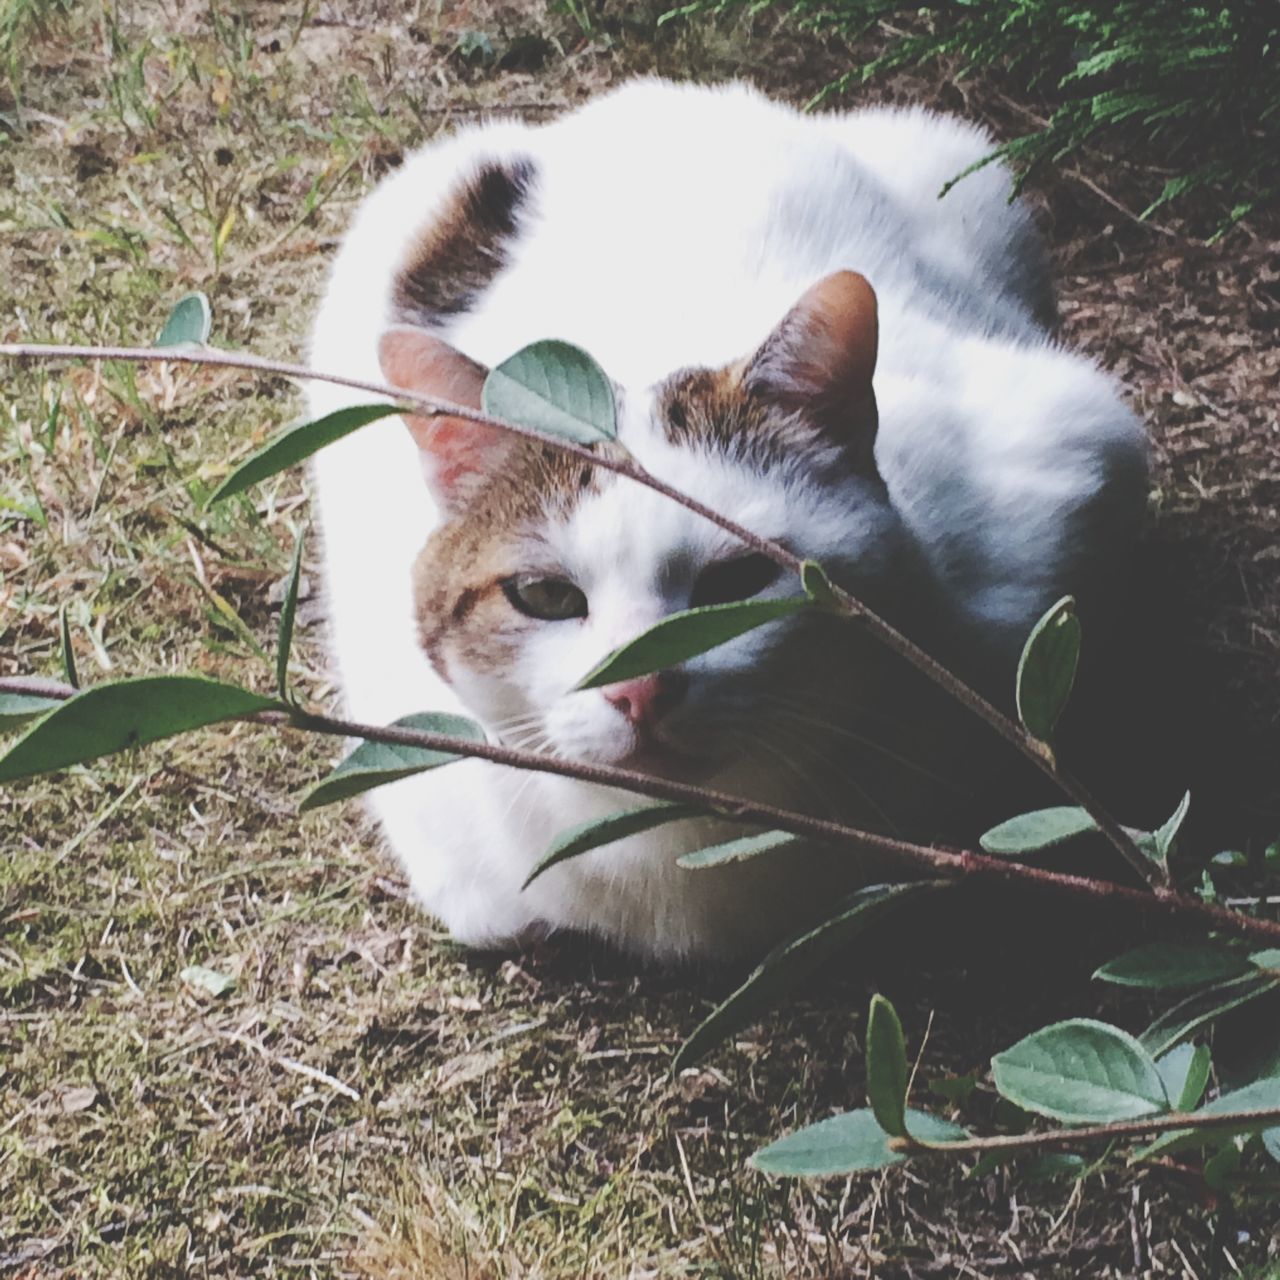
<point x="457" y="455"/>
<point x="819" y="362"/>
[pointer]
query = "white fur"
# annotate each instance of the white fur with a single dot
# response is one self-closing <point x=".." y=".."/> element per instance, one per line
<point x="674" y="226"/>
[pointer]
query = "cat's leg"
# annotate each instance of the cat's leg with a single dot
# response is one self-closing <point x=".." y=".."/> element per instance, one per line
<point x="974" y="231"/>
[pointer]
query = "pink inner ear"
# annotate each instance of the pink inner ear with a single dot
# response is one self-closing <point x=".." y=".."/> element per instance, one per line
<point x="840" y="312"/>
<point x="825" y="347"/>
<point x="456" y="451"/>
<point x="819" y="361"/>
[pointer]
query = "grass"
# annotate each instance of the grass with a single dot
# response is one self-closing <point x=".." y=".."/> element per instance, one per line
<point x="368" y="1099"/>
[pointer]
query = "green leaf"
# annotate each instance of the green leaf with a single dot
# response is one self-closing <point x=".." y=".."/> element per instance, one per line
<point x="682" y="636"/>
<point x="1040" y="829"/>
<point x="18" y="708"/>
<point x="374" y="764"/>
<point x="1166" y="837"/>
<point x="791" y="962"/>
<point x="886" y="1067"/>
<point x="294" y="444"/>
<point x="1047" y="669"/>
<point x="188" y="323"/>
<point x="1271" y="1143"/>
<point x="1161" y="966"/>
<point x="818" y="586"/>
<point x="848" y="1143"/>
<point x="66" y="651"/>
<point x="210" y="980"/>
<point x="718" y="855"/>
<point x="1053" y="1165"/>
<point x="955" y="1089"/>
<point x="1268" y="961"/>
<point x="288" y="610"/>
<point x="1081" y="1071"/>
<point x="601" y="831"/>
<point x="1221" y="1167"/>
<point x="1187" y="1017"/>
<point x="125" y="713"/>
<point x="1185" y="1072"/>
<point x="553" y="387"/>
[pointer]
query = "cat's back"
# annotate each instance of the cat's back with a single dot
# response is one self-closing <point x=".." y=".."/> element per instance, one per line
<point x="665" y="225"/>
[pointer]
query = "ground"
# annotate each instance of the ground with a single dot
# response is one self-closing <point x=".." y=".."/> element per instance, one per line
<point x="368" y="1099"/>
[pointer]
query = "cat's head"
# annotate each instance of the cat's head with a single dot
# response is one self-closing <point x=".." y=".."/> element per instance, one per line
<point x="541" y="565"/>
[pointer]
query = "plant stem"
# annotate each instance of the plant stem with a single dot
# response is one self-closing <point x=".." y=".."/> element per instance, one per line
<point x="1056" y="1138"/>
<point x="1154" y="874"/>
<point x="954" y="864"/>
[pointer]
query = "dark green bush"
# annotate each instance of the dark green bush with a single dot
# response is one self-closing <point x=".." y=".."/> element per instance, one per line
<point x="1195" y="86"/>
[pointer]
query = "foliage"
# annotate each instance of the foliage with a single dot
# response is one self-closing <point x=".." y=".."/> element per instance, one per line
<point x="1108" y="1084"/>
<point x="1198" y="85"/>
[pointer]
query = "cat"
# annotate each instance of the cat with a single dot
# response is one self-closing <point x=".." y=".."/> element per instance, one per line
<point x="802" y="335"/>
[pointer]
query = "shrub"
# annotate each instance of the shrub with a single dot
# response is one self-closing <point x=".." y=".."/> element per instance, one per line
<point x="1194" y="86"/>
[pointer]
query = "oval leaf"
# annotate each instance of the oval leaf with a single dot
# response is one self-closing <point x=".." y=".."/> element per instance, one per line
<point x="886" y="1067"/>
<point x="1271" y="1143"/>
<point x="1268" y="961"/>
<point x="818" y="586"/>
<point x="849" y="1143"/>
<point x="1081" y="1071"/>
<point x="1167" y="965"/>
<point x="718" y="855"/>
<point x="789" y="963"/>
<point x="288" y="610"/>
<point x="18" y="708"/>
<point x="125" y="713"/>
<point x="188" y="323"/>
<point x="210" y="980"/>
<point x="1185" y="1072"/>
<point x="1187" y="1017"/>
<point x="554" y="387"/>
<point x="1041" y="829"/>
<point x="1047" y="669"/>
<point x="602" y="831"/>
<point x="374" y="764"/>
<point x="1166" y="837"/>
<point x="296" y="443"/>
<point x="685" y="635"/>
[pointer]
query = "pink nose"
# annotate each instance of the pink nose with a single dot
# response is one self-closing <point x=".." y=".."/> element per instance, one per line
<point x="646" y="699"/>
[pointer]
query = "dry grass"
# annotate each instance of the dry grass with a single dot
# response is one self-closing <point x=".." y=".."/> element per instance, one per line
<point x="368" y="1099"/>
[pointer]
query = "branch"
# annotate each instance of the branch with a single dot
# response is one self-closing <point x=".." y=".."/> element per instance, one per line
<point x="624" y="465"/>
<point x="934" y="860"/>
<point x="1017" y="1142"/>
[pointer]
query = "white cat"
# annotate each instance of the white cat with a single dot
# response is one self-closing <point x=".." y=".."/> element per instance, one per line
<point x="702" y="245"/>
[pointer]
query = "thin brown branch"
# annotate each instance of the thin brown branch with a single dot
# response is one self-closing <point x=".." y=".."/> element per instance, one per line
<point x="623" y="464"/>
<point x="935" y="860"/>
<point x="1055" y="1139"/>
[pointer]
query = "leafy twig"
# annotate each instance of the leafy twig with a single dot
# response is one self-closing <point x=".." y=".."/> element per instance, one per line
<point x="624" y="465"/>
<point x="1053" y="1139"/>
<point x="956" y="864"/>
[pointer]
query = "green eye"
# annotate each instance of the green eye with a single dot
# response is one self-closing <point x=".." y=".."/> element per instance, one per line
<point x="551" y="599"/>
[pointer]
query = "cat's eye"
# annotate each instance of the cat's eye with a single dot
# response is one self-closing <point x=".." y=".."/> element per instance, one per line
<point x="730" y="580"/>
<point x="550" y="599"/>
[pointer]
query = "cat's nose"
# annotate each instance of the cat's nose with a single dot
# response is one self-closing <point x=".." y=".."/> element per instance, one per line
<point x="646" y="699"/>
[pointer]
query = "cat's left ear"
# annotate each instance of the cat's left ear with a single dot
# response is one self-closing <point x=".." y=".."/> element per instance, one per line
<point x="457" y="455"/>
<point x="819" y="362"/>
